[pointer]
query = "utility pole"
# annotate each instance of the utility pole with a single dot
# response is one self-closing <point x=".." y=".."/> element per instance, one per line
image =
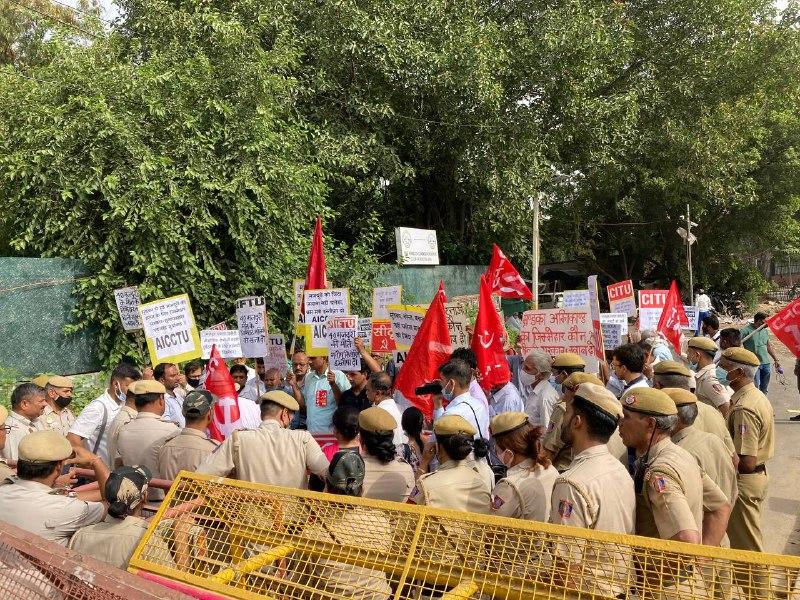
<point x="535" y="250"/>
<point x="689" y="253"/>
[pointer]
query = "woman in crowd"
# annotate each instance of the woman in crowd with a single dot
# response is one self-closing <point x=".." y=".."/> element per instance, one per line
<point x="387" y="476"/>
<point x="413" y="422"/>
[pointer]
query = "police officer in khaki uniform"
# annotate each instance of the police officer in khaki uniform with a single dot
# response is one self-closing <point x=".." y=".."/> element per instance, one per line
<point x="27" y="405"/>
<point x="191" y="446"/>
<point x="751" y="424"/>
<point x="672" y="374"/>
<point x="57" y="415"/>
<point x="271" y="454"/>
<point x="596" y="492"/>
<point x="524" y="493"/>
<point x="672" y="490"/>
<point x="565" y="364"/>
<point x="29" y="502"/>
<point x="457" y="484"/>
<point x="388" y="477"/>
<point x="127" y="413"/>
<point x="552" y="444"/>
<point x="6" y="472"/>
<point x="115" y="538"/>
<point x="701" y="351"/>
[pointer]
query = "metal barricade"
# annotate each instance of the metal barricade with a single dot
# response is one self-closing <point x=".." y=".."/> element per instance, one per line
<point x="248" y="540"/>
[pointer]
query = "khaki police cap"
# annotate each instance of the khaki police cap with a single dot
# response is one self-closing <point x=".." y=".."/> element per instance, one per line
<point x="575" y="379"/>
<point x="41" y="380"/>
<point x="376" y="420"/>
<point x="703" y="343"/>
<point x="648" y="401"/>
<point x="43" y="447"/>
<point x="600" y="397"/>
<point x="197" y="403"/>
<point x="147" y="386"/>
<point x="568" y="359"/>
<point x="671" y="367"/>
<point x="679" y="396"/>
<point x="281" y="398"/>
<point x="60" y="382"/>
<point x="507" y="422"/>
<point x="741" y="356"/>
<point x="452" y="425"/>
<point x="3" y="414"/>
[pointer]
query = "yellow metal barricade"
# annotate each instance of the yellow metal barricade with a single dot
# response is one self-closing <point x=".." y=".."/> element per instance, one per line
<point x="248" y="540"/>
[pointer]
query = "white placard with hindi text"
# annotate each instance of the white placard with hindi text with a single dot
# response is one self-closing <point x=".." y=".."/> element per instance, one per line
<point x="457" y="324"/>
<point x="406" y="320"/>
<point x="170" y="330"/>
<point x="382" y="297"/>
<point x="365" y="330"/>
<point x="651" y="305"/>
<point x="576" y="298"/>
<point x="693" y="315"/>
<point x="615" y="328"/>
<point x="341" y="334"/>
<point x="128" y="301"/>
<point x="321" y="305"/>
<point x="275" y="358"/>
<point x="251" y="313"/>
<point x="227" y="341"/>
<point x="559" y="330"/>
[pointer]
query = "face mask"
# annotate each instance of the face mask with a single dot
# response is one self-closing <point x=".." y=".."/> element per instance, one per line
<point x="193" y="382"/>
<point x="694" y="366"/>
<point x="507" y="458"/>
<point x="526" y="378"/>
<point x="63" y="401"/>
<point x="120" y="396"/>
<point x="448" y="395"/>
<point x="731" y="379"/>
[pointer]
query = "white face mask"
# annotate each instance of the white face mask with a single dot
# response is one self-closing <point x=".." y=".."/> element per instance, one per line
<point x="526" y="378"/>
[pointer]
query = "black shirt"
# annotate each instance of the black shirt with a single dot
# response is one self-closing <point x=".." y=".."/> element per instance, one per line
<point x="359" y="401"/>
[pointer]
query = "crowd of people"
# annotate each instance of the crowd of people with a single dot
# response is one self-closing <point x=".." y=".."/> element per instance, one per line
<point x="655" y="443"/>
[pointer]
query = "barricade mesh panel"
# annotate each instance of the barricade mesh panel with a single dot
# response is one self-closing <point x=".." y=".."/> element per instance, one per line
<point x="250" y="540"/>
<point x="34" y="568"/>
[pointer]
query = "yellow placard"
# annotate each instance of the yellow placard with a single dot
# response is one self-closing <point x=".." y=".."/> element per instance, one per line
<point x="170" y="330"/>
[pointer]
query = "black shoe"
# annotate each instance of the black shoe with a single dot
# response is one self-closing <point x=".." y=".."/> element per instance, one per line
<point x="795" y="418"/>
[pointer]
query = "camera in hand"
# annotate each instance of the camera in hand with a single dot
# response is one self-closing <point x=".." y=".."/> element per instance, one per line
<point x="429" y="388"/>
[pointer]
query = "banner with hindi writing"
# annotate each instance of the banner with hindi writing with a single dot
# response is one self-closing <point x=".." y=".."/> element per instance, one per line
<point x="558" y="330"/>
<point x="406" y="319"/>
<point x="382" y="338"/>
<point x="321" y="305"/>
<point x="651" y="305"/>
<point x="621" y="298"/>
<point x="457" y="324"/>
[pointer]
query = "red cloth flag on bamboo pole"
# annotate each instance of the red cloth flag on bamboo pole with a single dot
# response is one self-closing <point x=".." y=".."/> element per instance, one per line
<point x="785" y="324"/>
<point x="225" y="417"/>
<point x="488" y="341"/>
<point x="504" y="279"/>
<point x="441" y="291"/>
<point x="430" y="349"/>
<point x="673" y="317"/>
<point x="316" y="277"/>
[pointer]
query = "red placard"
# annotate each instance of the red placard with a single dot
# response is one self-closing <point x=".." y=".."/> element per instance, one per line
<point x="382" y="338"/>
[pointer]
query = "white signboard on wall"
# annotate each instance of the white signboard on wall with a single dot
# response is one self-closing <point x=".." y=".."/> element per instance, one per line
<point x="416" y="246"/>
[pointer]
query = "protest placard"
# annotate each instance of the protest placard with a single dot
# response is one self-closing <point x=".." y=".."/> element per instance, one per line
<point x="382" y="339"/>
<point x="621" y="298"/>
<point x="651" y="305"/>
<point x="221" y="326"/>
<point x="576" y="298"/>
<point x="298" y="285"/>
<point x="276" y="354"/>
<point x="558" y="330"/>
<point x="170" y="330"/>
<point x="406" y="319"/>
<point x="128" y="302"/>
<point x="457" y="324"/>
<point x="321" y="305"/>
<point x="341" y="334"/>
<point x="594" y="311"/>
<point x="227" y="341"/>
<point x="365" y="331"/>
<point x="615" y="328"/>
<point x="382" y="297"/>
<point x="693" y="315"/>
<point x="251" y="313"/>
<point x="399" y="357"/>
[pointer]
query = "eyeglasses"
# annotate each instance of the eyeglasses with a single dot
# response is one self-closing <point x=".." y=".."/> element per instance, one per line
<point x="6" y="429"/>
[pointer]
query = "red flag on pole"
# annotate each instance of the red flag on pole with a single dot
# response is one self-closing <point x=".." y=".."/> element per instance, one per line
<point x="441" y="290"/>
<point x="430" y="349"/>
<point x="225" y="417"/>
<point x="504" y="279"/>
<point x="672" y="317"/>
<point x="785" y="324"/>
<point x="488" y="341"/>
<point x="316" y="276"/>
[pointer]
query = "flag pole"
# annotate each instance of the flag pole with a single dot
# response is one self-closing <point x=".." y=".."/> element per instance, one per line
<point x="752" y="333"/>
<point x="535" y="251"/>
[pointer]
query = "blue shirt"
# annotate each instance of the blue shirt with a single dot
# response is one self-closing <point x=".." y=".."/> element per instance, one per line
<point x="320" y="403"/>
<point x="468" y="407"/>
<point x="506" y="399"/>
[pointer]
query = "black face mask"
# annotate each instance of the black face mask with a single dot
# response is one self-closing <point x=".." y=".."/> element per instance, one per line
<point x="193" y="382"/>
<point x="63" y="401"/>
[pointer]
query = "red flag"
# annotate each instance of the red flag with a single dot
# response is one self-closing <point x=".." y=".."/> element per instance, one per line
<point x="785" y="324"/>
<point x="441" y="290"/>
<point x="672" y="317"/>
<point x="316" y="277"/>
<point x="488" y="341"/>
<point x="504" y="279"/>
<point x="430" y="349"/>
<point x="218" y="381"/>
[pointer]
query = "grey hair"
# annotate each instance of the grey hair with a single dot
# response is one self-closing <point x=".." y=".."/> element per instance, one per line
<point x="666" y="422"/>
<point x="671" y="380"/>
<point x="748" y="370"/>
<point x="541" y="360"/>
<point x="687" y="413"/>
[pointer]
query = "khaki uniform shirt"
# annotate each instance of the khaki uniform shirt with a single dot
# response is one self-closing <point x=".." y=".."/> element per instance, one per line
<point x="520" y="494"/>
<point x="562" y="454"/>
<point x="138" y="443"/>
<point x="112" y="540"/>
<point x="20" y="427"/>
<point x="596" y="492"/>
<point x="32" y="506"/>
<point x="712" y="456"/>
<point x="675" y="492"/>
<point x="751" y="423"/>
<point x="125" y="415"/>
<point x="709" y="389"/>
<point x="184" y="452"/>
<point x="387" y="481"/>
<point x="711" y="420"/>
<point x="60" y="422"/>
<point x="457" y="485"/>
<point x="269" y="454"/>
